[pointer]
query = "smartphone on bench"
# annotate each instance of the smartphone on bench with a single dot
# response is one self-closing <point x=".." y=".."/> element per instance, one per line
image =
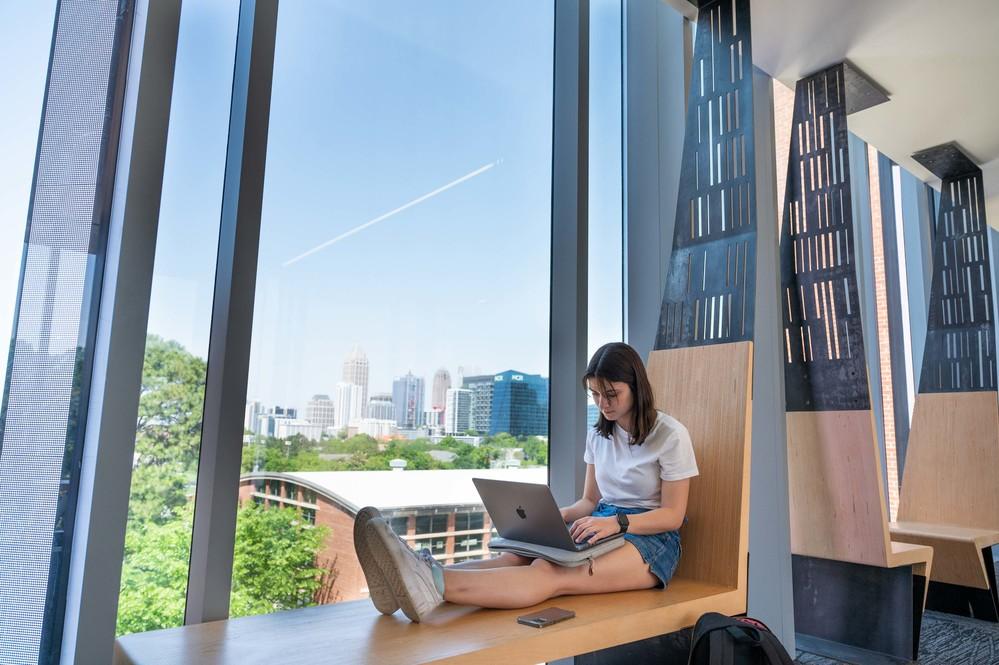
<point x="546" y="617"/>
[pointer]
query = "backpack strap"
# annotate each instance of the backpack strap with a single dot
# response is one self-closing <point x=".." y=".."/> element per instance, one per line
<point x="721" y="651"/>
<point x="713" y="627"/>
<point x="775" y="651"/>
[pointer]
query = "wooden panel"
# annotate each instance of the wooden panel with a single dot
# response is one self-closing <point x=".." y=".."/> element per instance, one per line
<point x="952" y="461"/>
<point x="836" y="497"/>
<point x="355" y="632"/>
<point x="707" y="388"/>
<point x="957" y="552"/>
<point x="909" y="554"/>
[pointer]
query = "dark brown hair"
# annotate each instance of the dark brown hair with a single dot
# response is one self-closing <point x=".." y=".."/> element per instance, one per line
<point x="619" y="362"/>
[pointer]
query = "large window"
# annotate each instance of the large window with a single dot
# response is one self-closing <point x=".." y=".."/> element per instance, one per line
<point x="401" y="320"/>
<point x="168" y="432"/>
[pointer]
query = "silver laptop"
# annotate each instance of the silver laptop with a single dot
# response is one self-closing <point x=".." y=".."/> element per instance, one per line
<point x="527" y="512"/>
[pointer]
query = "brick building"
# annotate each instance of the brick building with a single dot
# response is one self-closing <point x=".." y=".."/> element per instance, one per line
<point x="439" y="510"/>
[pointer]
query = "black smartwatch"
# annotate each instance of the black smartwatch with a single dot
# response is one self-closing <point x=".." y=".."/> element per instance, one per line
<point x="623" y="522"/>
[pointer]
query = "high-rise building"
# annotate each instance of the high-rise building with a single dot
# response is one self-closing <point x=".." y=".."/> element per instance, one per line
<point x="380" y="407"/>
<point x="287" y="412"/>
<point x="458" y="411"/>
<point x="519" y="404"/>
<point x="267" y="423"/>
<point x="482" y="401"/>
<point x="407" y="397"/>
<point x="320" y="410"/>
<point x="355" y="370"/>
<point x="265" y="420"/>
<point x="285" y="428"/>
<point x="433" y="419"/>
<point x="348" y="405"/>
<point x="253" y="409"/>
<point x="438" y="394"/>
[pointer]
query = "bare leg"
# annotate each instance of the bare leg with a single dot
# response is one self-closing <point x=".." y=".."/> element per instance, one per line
<point x="504" y="560"/>
<point x="522" y="586"/>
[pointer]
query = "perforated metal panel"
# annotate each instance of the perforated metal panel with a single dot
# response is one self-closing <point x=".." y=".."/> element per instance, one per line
<point x="42" y="418"/>
<point x="711" y="283"/>
<point x="825" y="366"/>
<point x="960" y="351"/>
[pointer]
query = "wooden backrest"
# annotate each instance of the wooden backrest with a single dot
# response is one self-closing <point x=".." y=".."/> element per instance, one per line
<point x="708" y="389"/>
<point x="951" y="473"/>
<point x="837" y="504"/>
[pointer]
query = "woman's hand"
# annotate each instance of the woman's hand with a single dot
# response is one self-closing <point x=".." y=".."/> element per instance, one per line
<point x="592" y="529"/>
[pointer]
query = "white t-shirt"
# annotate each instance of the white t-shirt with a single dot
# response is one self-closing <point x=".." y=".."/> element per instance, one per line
<point x="630" y="476"/>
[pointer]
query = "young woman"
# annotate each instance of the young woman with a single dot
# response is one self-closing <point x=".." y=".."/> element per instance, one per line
<point x="638" y="467"/>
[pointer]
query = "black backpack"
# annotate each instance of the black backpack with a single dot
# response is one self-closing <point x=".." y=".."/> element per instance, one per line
<point x="722" y="640"/>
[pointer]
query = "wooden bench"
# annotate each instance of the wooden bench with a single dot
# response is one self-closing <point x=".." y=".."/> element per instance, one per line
<point x="840" y="537"/>
<point x="706" y="388"/>
<point x="949" y="497"/>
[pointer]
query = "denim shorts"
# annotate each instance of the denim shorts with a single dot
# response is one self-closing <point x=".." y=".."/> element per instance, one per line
<point x="660" y="550"/>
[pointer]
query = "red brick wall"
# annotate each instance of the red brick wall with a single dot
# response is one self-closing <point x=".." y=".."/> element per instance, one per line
<point x="339" y="546"/>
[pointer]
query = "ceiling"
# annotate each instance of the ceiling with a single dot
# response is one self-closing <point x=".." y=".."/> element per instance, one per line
<point x="938" y="60"/>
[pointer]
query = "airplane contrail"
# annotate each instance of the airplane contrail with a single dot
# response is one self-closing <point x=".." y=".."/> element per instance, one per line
<point x="381" y="218"/>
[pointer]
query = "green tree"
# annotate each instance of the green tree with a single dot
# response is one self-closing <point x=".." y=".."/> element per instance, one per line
<point x="168" y="430"/>
<point x="274" y="562"/>
<point x="273" y="567"/>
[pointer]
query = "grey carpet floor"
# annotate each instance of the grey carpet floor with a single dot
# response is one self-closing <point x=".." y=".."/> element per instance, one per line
<point x="945" y="640"/>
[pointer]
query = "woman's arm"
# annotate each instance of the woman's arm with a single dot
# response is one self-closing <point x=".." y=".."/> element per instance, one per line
<point x="667" y="518"/>
<point x="586" y="505"/>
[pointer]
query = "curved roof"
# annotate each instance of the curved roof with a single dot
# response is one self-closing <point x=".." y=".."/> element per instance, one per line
<point x="401" y="489"/>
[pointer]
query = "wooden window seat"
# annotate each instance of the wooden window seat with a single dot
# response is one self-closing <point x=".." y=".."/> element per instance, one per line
<point x="957" y="551"/>
<point x="707" y="389"/>
<point x="949" y="498"/>
<point x="355" y="632"/>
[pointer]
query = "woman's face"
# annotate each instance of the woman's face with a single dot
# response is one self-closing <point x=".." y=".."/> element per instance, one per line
<point x="614" y="399"/>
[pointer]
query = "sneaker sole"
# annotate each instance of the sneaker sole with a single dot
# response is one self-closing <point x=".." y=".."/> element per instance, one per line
<point x="379" y="533"/>
<point x="378" y="589"/>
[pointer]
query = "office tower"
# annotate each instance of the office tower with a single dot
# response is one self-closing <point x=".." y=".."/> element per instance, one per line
<point x="482" y="401"/>
<point x="287" y="412"/>
<point x="285" y="428"/>
<point x="320" y="410"/>
<point x="438" y="395"/>
<point x="267" y="423"/>
<point x="458" y="411"/>
<point x="355" y="370"/>
<point x="407" y="397"/>
<point x="519" y="404"/>
<point x="348" y="405"/>
<point x="380" y="407"/>
<point x="433" y="419"/>
<point x="253" y="409"/>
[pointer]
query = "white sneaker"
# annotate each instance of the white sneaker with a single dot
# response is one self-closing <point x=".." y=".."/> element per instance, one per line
<point x="409" y="577"/>
<point x="378" y="589"/>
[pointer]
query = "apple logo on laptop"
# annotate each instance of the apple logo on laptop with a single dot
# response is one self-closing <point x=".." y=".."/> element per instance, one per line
<point x="521" y="513"/>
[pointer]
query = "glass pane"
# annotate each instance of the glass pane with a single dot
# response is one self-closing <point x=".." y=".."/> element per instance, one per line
<point x="25" y="38"/>
<point x="400" y="338"/>
<point x="605" y="318"/>
<point x="168" y="431"/>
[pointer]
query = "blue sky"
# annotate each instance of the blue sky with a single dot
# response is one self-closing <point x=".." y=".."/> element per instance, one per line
<point x="375" y="105"/>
